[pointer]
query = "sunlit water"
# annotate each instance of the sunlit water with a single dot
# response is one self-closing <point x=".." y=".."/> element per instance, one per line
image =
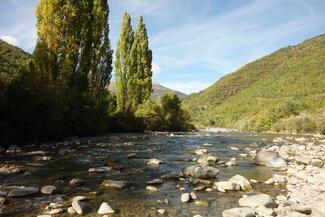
<point x="73" y="161"/>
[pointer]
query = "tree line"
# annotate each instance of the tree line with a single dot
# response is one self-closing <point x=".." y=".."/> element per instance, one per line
<point x="63" y="91"/>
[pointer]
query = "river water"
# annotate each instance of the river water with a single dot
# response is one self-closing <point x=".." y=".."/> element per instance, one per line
<point x="73" y="161"/>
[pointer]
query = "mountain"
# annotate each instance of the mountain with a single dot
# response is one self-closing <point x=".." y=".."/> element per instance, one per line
<point x="11" y="58"/>
<point x="284" y="91"/>
<point x="158" y="90"/>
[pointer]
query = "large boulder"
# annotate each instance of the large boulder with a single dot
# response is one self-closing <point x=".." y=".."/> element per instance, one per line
<point x="270" y="159"/>
<point x="224" y="186"/>
<point x="241" y="181"/>
<point x="257" y="200"/>
<point x="201" y="171"/>
<point x="23" y="191"/>
<point x="239" y="212"/>
<point x="207" y="159"/>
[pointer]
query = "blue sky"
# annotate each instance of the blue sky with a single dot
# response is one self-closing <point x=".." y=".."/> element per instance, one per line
<point x="194" y="42"/>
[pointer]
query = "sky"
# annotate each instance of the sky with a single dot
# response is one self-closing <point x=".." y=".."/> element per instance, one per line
<point x="194" y="42"/>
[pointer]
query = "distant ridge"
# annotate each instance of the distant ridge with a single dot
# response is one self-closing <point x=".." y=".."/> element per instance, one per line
<point x="158" y="90"/>
<point x="275" y="92"/>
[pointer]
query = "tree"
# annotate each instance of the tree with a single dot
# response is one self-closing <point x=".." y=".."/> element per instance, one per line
<point x="123" y="68"/>
<point x="141" y="83"/>
<point x="73" y="45"/>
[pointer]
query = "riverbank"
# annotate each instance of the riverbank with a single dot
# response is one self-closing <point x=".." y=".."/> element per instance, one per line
<point x="304" y="179"/>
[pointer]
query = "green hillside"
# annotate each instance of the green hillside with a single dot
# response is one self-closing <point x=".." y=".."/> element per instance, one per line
<point x="11" y="58"/>
<point x="283" y="91"/>
<point x="158" y="90"/>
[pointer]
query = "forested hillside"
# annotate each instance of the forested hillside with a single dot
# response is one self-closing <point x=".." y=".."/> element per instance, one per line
<point x="284" y="91"/>
<point x="11" y="58"/>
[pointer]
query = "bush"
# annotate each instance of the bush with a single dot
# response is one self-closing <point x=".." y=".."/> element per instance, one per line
<point x="164" y="115"/>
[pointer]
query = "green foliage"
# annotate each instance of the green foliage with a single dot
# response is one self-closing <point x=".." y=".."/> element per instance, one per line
<point x="133" y="65"/>
<point x="283" y="84"/>
<point x="122" y="64"/>
<point x="73" y="45"/>
<point x="164" y="115"/>
<point x="140" y="85"/>
<point x="11" y="60"/>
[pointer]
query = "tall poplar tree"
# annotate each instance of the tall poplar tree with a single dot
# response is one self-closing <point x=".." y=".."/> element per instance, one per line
<point x="143" y="63"/>
<point x="73" y="41"/>
<point x="123" y="67"/>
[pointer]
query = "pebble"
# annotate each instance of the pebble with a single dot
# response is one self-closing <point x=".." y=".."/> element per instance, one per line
<point x="161" y="211"/>
<point x="56" y="211"/>
<point x="78" y="207"/>
<point x="152" y="188"/>
<point x="105" y="209"/>
<point x="185" y="197"/>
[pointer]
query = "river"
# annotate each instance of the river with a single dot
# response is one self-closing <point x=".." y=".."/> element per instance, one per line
<point x="73" y="159"/>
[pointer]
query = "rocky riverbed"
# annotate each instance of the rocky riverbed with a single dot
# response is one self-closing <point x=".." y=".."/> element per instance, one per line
<point x="228" y="174"/>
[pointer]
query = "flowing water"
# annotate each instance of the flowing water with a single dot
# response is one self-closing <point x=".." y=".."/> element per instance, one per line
<point x="74" y="160"/>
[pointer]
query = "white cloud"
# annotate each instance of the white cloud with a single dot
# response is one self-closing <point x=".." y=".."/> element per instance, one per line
<point x="9" y="39"/>
<point x="155" y="69"/>
<point x="186" y="87"/>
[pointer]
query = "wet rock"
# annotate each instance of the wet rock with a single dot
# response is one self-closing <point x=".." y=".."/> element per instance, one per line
<point x="114" y="184"/>
<point x="241" y="181"/>
<point x="10" y="169"/>
<point x="154" y="162"/>
<point x="77" y="182"/>
<point x="257" y="200"/>
<point x="56" y="211"/>
<point x="155" y="182"/>
<point x="231" y="163"/>
<point x="43" y="158"/>
<point x="48" y="190"/>
<point x="207" y="159"/>
<point x="3" y="201"/>
<point x="23" y="191"/>
<point x="99" y="169"/>
<point x="302" y="209"/>
<point x="78" y="207"/>
<point x="161" y="211"/>
<point x="224" y="186"/>
<point x="263" y="211"/>
<point x="270" y="159"/>
<point x="239" y="212"/>
<point x="201" y="171"/>
<point x="13" y="150"/>
<point x="151" y="188"/>
<point x="276" y="179"/>
<point x="132" y="156"/>
<point x="185" y="197"/>
<point x="55" y="205"/>
<point x="202" y="203"/>
<point x="193" y="196"/>
<point x="173" y="175"/>
<point x="79" y="198"/>
<point x="201" y="151"/>
<point x="201" y="182"/>
<point x="207" y="145"/>
<point x="105" y="209"/>
<point x="71" y="210"/>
